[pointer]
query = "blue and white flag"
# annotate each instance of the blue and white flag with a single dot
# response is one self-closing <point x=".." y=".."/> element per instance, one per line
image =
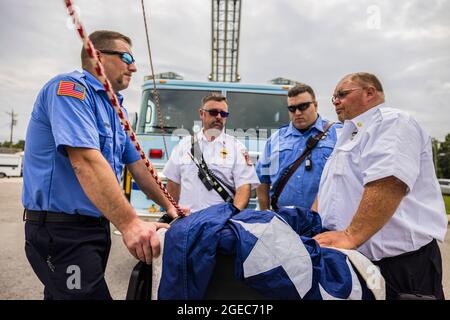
<point x="274" y="254"/>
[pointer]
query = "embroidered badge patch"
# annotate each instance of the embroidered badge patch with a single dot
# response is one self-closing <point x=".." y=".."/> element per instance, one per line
<point x="247" y="158"/>
<point x="71" y="89"/>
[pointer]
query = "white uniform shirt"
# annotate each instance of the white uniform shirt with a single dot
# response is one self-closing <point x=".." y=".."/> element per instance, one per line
<point x="226" y="157"/>
<point x="379" y="143"/>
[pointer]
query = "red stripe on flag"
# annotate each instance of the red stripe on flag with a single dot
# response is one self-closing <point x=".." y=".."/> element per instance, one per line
<point x="67" y="88"/>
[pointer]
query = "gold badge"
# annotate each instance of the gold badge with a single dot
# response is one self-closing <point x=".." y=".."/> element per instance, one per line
<point x="224" y="153"/>
<point x="359" y="124"/>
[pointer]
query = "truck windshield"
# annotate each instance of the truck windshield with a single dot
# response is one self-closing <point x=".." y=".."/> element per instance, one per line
<point x="256" y="111"/>
<point x="179" y="109"/>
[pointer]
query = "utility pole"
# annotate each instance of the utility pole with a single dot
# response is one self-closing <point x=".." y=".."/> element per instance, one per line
<point x="13" y="123"/>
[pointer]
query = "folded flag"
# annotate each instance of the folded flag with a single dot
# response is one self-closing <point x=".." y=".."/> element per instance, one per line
<point x="274" y="254"/>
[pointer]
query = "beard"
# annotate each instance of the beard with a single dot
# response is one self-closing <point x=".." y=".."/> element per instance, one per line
<point x="217" y="125"/>
<point x="213" y="132"/>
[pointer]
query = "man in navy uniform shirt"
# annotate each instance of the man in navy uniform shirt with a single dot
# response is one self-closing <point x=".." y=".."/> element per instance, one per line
<point x="74" y="157"/>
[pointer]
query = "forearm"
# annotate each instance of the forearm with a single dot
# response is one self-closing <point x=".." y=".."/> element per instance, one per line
<point x="242" y="196"/>
<point x="262" y="192"/>
<point x="378" y="204"/>
<point x="100" y="185"/>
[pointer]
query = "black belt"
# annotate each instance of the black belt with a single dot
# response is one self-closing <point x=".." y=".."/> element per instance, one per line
<point x="48" y="216"/>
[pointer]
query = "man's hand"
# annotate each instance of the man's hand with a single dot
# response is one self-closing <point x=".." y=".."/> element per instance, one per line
<point x="141" y="239"/>
<point x="337" y="239"/>
<point x="173" y="213"/>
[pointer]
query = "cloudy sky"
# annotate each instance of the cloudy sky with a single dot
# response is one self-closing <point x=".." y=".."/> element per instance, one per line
<point x="406" y="43"/>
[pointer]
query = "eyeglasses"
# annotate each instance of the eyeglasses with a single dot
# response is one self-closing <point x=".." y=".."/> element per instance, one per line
<point x="125" y="56"/>
<point x="341" y="94"/>
<point x="301" y="106"/>
<point x="214" y="113"/>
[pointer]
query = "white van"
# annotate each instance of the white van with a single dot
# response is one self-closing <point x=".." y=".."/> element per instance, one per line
<point x="445" y="186"/>
<point x="11" y="165"/>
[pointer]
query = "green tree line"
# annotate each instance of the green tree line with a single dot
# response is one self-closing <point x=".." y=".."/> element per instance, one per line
<point x="19" y="145"/>
<point x="441" y="154"/>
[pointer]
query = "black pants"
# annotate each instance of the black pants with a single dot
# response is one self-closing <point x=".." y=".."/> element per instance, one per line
<point x="70" y="258"/>
<point x="418" y="272"/>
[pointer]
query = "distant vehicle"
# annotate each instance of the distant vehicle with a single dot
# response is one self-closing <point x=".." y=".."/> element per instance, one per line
<point x="445" y="186"/>
<point x="11" y="165"/>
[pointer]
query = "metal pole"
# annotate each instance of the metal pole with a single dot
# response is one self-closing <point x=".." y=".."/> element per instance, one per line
<point x="13" y="123"/>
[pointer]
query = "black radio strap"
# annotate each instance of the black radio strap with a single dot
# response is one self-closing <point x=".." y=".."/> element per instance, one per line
<point x="310" y="144"/>
<point x="208" y="178"/>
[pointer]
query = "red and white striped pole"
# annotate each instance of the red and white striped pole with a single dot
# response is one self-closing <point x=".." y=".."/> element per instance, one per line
<point x="100" y="73"/>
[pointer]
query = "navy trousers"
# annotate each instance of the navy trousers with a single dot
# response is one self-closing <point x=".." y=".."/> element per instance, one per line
<point x="70" y="258"/>
<point x="415" y="273"/>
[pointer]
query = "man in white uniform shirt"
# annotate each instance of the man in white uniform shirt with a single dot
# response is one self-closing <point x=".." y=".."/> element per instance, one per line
<point x="224" y="155"/>
<point x="379" y="192"/>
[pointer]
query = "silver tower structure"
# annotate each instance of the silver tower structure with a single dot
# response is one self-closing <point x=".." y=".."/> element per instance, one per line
<point x="225" y="40"/>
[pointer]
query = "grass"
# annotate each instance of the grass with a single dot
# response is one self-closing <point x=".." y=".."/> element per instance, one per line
<point x="447" y="203"/>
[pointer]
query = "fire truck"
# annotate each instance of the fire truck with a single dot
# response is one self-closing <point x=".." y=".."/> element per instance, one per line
<point x="256" y="110"/>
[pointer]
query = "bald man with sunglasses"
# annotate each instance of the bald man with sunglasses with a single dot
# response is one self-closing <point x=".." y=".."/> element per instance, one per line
<point x="286" y="145"/>
<point x="225" y="157"/>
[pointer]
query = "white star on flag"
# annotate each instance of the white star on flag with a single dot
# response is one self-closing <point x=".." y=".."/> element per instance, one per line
<point x="271" y="251"/>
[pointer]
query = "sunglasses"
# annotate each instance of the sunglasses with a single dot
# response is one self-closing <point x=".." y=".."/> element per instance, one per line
<point x="214" y="113"/>
<point x="341" y="94"/>
<point x="301" y="106"/>
<point x="125" y="56"/>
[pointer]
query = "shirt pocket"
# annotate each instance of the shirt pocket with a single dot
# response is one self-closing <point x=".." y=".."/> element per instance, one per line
<point x="322" y="153"/>
<point x="106" y="144"/>
<point x="346" y="160"/>
<point x="282" y="156"/>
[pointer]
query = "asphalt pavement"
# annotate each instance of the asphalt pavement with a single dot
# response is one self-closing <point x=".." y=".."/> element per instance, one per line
<point x="18" y="281"/>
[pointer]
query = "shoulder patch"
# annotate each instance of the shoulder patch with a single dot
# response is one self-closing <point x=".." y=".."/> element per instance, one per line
<point x="247" y="157"/>
<point x="71" y="89"/>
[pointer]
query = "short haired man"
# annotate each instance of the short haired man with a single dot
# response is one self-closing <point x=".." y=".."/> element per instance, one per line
<point x="287" y="144"/>
<point x="74" y="157"/>
<point x="224" y="155"/>
<point x="379" y="192"/>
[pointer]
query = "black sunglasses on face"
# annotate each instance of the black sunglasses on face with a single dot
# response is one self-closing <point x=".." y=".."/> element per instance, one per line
<point x="125" y="56"/>
<point x="301" y="106"/>
<point x="214" y="113"/>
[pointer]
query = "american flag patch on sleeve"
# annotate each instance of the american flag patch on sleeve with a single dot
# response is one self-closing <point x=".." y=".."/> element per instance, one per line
<point x="71" y="89"/>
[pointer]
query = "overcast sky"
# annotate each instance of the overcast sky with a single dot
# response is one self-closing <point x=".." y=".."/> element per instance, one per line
<point x="406" y="43"/>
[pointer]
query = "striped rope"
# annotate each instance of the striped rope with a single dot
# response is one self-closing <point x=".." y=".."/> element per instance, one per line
<point x="100" y="73"/>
